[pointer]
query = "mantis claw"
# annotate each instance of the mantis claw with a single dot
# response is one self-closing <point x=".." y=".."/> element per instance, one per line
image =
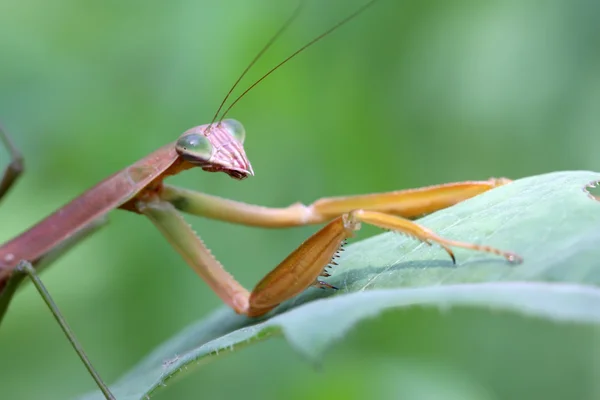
<point x="450" y="253"/>
<point x="448" y="250"/>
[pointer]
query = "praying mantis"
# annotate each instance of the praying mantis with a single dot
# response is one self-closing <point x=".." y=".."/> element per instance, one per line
<point x="219" y="147"/>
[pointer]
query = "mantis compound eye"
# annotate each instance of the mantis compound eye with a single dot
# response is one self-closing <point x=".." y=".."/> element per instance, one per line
<point x="235" y="129"/>
<point x="194" y="147"/>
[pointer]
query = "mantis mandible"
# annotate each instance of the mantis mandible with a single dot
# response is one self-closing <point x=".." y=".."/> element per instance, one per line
<point x="219" y="147"/>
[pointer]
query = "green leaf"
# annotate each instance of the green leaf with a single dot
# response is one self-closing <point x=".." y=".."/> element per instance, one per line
<point x="549" y="219"/>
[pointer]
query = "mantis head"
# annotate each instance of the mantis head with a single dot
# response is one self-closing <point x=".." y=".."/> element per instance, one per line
<point x="216" y="147"/>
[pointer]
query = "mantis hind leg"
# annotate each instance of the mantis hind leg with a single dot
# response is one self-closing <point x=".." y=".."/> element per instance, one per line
<point x="15" y="167"/>
<point x="25" y="269"/>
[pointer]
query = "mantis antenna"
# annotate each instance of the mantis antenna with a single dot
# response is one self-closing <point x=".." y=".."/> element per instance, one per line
<point x="294" y="54"/>
<point x="259" y="55"/>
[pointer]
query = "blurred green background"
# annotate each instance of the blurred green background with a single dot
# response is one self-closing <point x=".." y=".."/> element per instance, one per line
<point x="410" y="94"/>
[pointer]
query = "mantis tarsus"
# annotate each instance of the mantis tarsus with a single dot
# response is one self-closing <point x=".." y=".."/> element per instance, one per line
<point x="215" y="147"/>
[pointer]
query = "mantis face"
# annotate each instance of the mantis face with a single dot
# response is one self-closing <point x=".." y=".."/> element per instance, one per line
<point x="216" y="147"/>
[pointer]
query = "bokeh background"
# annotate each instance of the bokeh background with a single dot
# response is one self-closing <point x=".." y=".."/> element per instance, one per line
<point x="411" y="93"/>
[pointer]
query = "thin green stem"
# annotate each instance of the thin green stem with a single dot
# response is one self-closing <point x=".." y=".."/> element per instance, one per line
<point x="26" y="268"/>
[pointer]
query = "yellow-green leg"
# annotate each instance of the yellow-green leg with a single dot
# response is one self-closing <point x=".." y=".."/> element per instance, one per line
<point x="409" y="203"/>
<point x="304" y="265"/>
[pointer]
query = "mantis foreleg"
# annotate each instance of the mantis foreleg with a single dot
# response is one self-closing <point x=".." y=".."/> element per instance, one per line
<point x="304" y="265"/>
<point x="409" y="203"/>
<point x="181" y="236"/>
